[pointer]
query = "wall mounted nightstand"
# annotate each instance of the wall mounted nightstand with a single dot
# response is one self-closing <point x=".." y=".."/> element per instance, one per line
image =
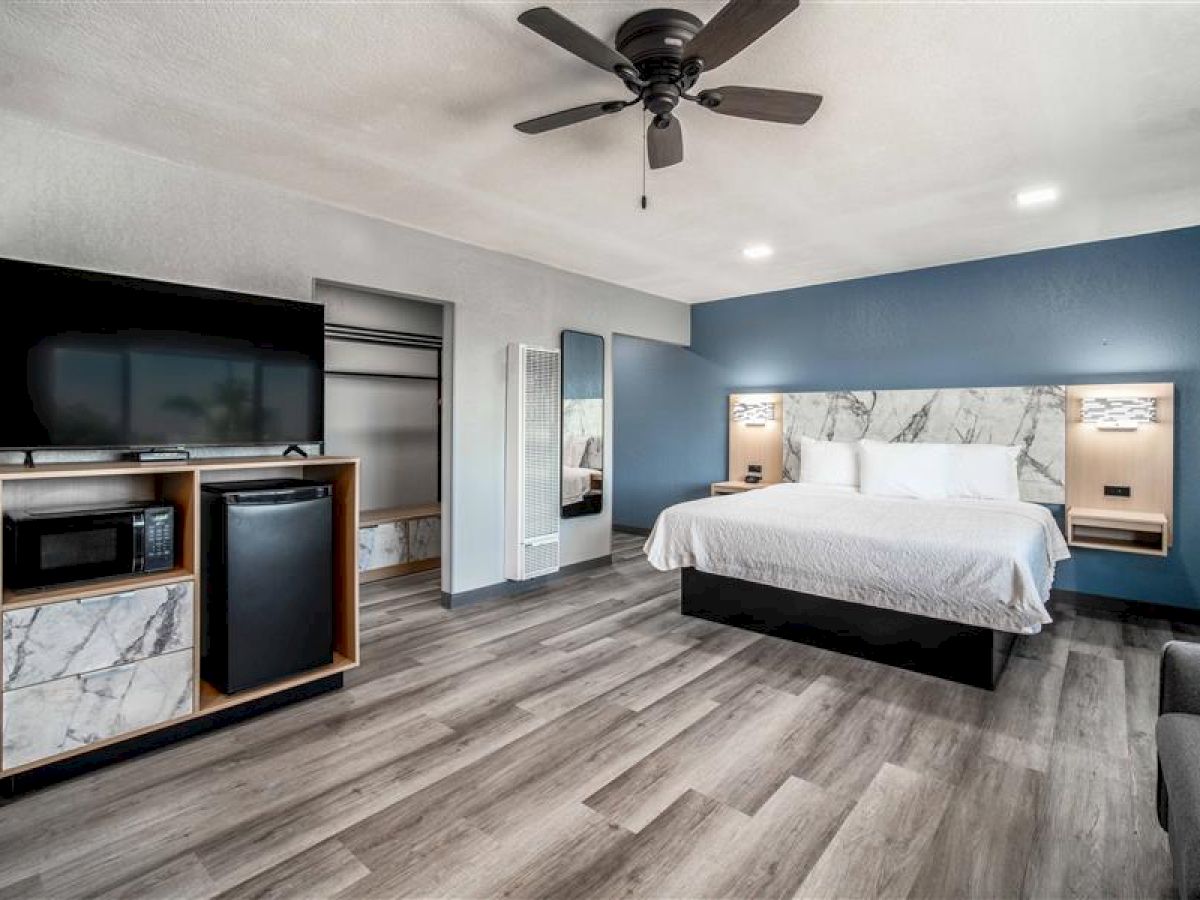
<point x="735" y="487"/>
<point x="1109" y="529"/>
<point x="1121" y="467"/>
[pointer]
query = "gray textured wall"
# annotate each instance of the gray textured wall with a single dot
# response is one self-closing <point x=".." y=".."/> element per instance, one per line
<point x="73" y="201"/>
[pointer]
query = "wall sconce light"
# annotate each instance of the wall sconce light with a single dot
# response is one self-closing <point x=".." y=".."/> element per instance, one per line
<point x="1119" y="413"/>
<point x="754" y="412"/>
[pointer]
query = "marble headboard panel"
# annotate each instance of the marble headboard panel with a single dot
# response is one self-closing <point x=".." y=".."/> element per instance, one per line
<point x="1033" y="418"/>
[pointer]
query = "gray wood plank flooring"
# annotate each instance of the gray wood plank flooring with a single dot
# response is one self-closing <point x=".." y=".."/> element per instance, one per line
<point x="585" y="740"/>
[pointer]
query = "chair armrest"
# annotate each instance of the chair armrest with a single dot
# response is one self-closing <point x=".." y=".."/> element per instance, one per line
<point x="1179" y="685"/>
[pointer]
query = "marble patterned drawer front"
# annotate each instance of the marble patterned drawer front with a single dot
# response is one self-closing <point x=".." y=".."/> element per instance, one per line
<point x="68" y="713"/>
<point x="425" y="538"/>
<point x="44" y="643"/>
<point x="382" y="545"/>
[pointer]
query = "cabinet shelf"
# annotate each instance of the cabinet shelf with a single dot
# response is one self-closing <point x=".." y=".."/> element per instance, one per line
<point x="98" y="588"/>
<point x="212" y="699"/>
<point x="1144" y="533"/>
<point x="130" y="467"/>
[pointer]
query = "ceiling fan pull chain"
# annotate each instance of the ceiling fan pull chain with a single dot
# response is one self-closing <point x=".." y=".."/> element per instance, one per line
<point x="645" y="199"/>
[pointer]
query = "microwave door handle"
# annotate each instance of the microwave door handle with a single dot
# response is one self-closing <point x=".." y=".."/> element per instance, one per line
<point x="139" y="543"/>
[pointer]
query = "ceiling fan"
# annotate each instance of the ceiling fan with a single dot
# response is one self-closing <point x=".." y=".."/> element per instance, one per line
<point x="660" y="54"/>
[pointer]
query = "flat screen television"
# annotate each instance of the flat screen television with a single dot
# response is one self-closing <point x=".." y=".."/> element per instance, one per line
<point x="89" y="360"/>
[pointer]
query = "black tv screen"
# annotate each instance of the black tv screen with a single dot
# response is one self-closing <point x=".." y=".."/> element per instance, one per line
<point x="95" y="360"/>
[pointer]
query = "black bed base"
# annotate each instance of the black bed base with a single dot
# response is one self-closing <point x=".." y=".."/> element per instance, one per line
<point x="968" y="654"/>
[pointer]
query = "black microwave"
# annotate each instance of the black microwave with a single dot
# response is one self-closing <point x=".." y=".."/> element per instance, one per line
<point x="49" y="547"/>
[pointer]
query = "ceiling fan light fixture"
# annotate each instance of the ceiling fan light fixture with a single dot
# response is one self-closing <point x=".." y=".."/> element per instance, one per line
<point x="758" y="251"/>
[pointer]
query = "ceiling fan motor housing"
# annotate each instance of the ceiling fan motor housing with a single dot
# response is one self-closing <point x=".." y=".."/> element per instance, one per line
<point x="654" y="41"/>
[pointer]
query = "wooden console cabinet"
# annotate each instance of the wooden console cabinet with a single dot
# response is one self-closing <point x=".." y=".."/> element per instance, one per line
<point x="92" y="664"/>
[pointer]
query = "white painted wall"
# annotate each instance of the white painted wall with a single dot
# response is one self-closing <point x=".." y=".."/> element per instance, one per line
<point x="72" y="201"/>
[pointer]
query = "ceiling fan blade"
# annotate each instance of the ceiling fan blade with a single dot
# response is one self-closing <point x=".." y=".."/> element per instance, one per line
<point x="735" y="27"/>
<point x="788" y="107"/>
<point x="569" y="117"/>
<point x="664" y="145"/>
<point x="573" y="39"/>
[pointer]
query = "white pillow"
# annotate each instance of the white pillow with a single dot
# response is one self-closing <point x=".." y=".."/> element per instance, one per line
<point x="828" y="462"/>
<point x="593" y="454"/>
<point x="574" y="447"/>
<point x="984" y="472"/>
<point x="904" y="470"/>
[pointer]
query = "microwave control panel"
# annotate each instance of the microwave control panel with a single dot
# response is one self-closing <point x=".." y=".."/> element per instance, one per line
<point x="160" y="539"/>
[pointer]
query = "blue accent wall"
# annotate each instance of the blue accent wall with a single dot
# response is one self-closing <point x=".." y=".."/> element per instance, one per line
<point x="1120" y="310"/>
<point x="661" y="393"/>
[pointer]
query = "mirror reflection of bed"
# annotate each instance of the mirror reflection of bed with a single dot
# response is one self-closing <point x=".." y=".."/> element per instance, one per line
<point x="582" y="424"/>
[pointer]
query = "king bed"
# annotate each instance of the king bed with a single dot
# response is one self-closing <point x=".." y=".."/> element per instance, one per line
<point x="941" y="586"/>
<point x="906" y="525"/>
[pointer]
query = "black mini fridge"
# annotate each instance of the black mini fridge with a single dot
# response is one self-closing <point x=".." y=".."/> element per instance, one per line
<point x="267" y="581"/>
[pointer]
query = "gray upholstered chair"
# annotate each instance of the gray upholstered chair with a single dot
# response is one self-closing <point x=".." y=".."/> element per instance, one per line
<point x="1178" y="735"/>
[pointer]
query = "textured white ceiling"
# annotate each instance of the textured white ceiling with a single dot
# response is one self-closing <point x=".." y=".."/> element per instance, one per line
<point x="935" y="113"/>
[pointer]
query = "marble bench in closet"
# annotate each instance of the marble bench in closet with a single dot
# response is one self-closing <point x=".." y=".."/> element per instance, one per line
<point x="399" y="541"/>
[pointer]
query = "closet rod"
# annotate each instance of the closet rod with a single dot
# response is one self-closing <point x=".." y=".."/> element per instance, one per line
<point x="351" y="374"/>
<point x="358" y="334"/>
<point x="384" y="342"/>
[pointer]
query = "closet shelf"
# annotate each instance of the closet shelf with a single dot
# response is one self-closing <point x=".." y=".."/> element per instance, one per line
<point x="397" y="513"/>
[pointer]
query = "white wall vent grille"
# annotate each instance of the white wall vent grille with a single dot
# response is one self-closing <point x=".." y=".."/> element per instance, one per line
<point x="533" y="462"/>
<point x="541" y="559"/>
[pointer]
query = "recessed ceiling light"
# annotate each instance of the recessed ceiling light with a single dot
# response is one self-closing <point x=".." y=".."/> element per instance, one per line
<point x="1037" y="196"/>
<point x="758" y="251"/>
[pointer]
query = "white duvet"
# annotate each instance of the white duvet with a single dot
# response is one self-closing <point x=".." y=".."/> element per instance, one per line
<point x="979" y="562"/>
<point x="576" y="483"/>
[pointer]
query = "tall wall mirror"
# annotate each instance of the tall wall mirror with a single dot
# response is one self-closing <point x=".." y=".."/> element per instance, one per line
<point x="582" y="424"/>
